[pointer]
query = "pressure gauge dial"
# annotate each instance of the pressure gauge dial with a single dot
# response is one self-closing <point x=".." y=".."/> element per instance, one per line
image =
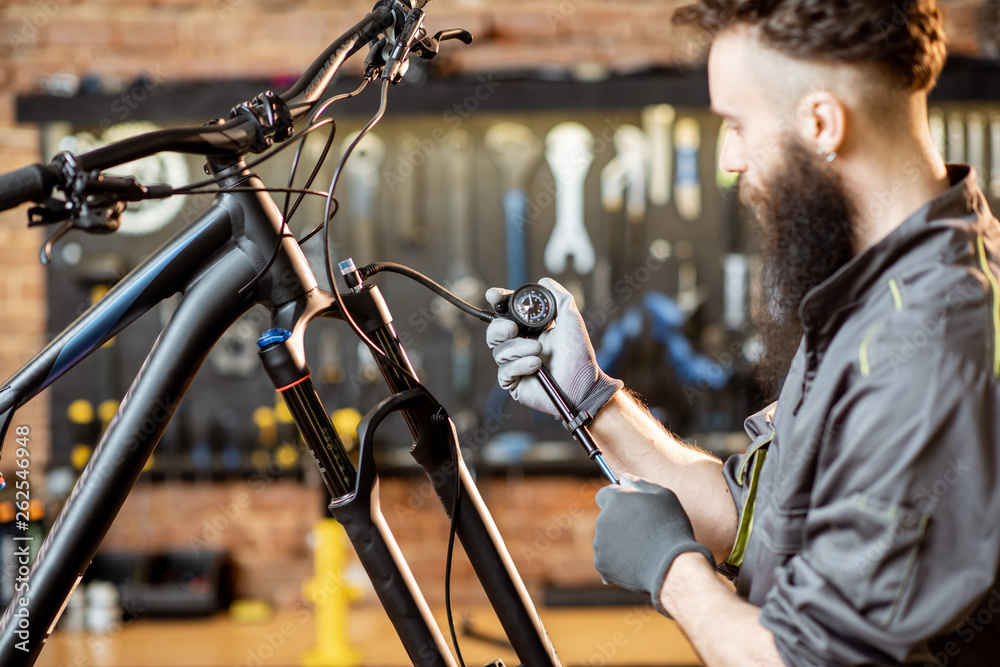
<point x="532" y="307"/>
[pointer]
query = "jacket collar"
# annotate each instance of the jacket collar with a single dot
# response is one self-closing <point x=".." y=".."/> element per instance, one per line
<point x="957" y="210"/>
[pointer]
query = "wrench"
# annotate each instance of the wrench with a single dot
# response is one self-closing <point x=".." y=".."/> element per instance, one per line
<point x="363" y="174"/>
<point x="657" y="121"/>
<point x="569" y="151"/>
<point x="623" y="180"/>
<point x="623" y="184"/>
<point x="516" y="151"/>
<point x="687" y="140"/>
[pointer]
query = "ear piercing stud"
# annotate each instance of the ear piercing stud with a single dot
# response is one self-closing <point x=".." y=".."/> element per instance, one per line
<point x="829" y="157"/>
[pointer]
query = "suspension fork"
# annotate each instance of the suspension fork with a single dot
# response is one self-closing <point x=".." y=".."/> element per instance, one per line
<point x="441" y="459"/>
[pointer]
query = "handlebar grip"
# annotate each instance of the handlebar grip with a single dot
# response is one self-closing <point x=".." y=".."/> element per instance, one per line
<point x="31" y="183"/>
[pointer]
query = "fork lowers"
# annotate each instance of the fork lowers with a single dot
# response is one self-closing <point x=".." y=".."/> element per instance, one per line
<point x="294" y="384"/>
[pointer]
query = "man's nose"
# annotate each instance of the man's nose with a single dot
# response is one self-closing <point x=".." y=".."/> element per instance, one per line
<point x="731" y="157"/>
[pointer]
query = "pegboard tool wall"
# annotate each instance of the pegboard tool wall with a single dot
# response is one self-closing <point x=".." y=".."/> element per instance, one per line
<point x="436" y="205"/>
<point x="413" y="221"/>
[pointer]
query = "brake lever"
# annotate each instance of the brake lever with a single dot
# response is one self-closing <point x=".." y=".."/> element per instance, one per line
<point x="414" y="40"/>
<point x="428" y="47"/>
<point x="45" y="253"/>
<point x="95" y="203"/>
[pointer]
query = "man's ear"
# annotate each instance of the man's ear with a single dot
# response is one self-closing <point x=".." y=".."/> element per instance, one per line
<point x="824" y="120"/>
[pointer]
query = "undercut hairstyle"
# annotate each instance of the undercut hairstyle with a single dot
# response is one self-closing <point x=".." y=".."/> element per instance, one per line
<point x="905" y="40"/>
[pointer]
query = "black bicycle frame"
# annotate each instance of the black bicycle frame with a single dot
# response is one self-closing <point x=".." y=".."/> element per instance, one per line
<point x="209" y="263"/>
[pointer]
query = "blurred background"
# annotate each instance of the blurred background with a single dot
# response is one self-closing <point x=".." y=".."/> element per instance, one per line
<point x="660" y="256"/>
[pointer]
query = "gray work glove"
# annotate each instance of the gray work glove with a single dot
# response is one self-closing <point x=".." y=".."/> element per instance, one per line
<point x="566" y="350"/>
<point x="641" y="529"/>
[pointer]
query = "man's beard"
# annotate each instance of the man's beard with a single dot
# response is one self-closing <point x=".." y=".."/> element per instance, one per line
<point x="806" y="235"/>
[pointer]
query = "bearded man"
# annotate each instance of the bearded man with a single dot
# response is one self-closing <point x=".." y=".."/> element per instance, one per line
<point x="862" y="523"/>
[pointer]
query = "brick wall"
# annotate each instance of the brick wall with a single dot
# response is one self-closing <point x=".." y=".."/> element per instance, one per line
<point x="549" y="522"/>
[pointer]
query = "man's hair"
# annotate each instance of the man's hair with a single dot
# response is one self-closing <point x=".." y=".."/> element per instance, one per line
<point x="904" y="39"/>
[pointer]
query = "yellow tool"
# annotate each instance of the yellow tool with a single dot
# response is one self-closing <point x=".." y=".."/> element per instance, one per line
<point x="331" y="596"/>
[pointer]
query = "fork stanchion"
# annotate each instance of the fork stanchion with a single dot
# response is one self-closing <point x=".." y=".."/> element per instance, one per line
<point x="293" y="382"/>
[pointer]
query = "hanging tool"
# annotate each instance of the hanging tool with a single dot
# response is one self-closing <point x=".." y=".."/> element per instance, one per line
<point x="363" y="173"/>
<point x="569" y="151"/>
<point x="995" y="155"/>
<point x="459" y="152"/>
<point x="956" y="138"/>
<point x="408" y="223"/>
<point x="975" y="136"/>
<point x="516" y="151"/>
<point x="735" y="267"/>
<point x="623" y="185"/>
<point x="693" y="368"/>
<point x="658" y="122"/>
<point x="687" y="185"/>
<point x="623" y="179"/>
<point x="689" y="294"/>
<point x="533" y="308"/>
<point x="666" y="323"/>
<point x="935" y="120"/>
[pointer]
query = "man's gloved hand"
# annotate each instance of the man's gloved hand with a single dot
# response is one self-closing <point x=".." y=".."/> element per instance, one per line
<point x="566" y="348"/>
<point x="640" y="530"/>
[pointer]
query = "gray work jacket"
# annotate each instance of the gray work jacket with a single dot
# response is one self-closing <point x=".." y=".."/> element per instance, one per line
<point x="869" y="499"/>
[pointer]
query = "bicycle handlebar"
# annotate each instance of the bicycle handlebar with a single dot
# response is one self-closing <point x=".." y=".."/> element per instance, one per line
<point x="302" y="96"/>
<point x="36" y="182"/>
<point x="236" y="134"/>
<point x="31" y="183"/>
<point x="222" y="139"/>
